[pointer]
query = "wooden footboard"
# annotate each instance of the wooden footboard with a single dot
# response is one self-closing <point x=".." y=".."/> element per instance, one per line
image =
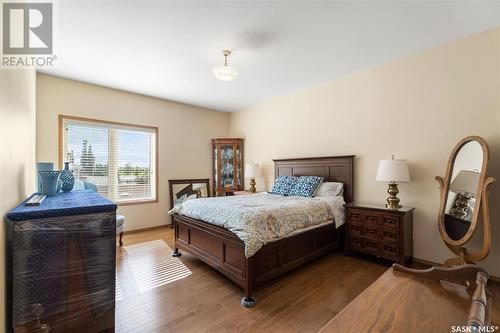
<point x="216" y="246"/>
<point x="224" y="251"/>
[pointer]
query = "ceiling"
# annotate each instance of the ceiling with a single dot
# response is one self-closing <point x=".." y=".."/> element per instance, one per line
<point x="167" y="49"/>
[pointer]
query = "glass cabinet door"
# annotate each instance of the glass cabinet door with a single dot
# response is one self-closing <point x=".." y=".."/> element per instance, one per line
<point x="239" y="178"/>
<point x="215" y="185"/>
<point x="227" y="166"/>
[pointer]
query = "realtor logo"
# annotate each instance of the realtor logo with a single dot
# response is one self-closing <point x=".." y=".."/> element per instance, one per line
<point x="27" y="28"/>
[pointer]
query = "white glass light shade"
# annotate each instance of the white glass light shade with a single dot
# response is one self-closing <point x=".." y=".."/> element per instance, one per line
<point x="393" y="171"/>
<point x="252" y="170"/>
<point x="465" y="182"/>
<point x="225" y="73"/>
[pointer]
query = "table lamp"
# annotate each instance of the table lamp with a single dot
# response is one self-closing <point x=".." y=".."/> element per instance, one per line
<point x="252" y="170"/>
<point x="393" y="171"/>
<point x="465" y="185"/>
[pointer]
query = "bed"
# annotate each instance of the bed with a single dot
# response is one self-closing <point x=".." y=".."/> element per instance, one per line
<point x="225" y="251"/>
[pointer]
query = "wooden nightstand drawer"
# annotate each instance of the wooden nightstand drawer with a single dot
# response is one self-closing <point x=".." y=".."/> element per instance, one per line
<point x="390" y="235"/>
<point x="390" y="221"/>
<point x="371" y="246"/>
<point x="355" y="229"/>
<point x="390" y="251"/>
<point x="371" y="219"/>
<point x="355" y="243"/>
<point x="355" y="216"/>
<point x="371" y="232"/>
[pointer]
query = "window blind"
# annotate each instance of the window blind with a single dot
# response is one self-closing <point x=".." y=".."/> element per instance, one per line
<point x="118" y="159"/>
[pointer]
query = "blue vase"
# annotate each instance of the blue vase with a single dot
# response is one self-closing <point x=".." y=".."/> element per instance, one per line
<point x="42" y="166"/>
<point x="67" y="178"/>
<point x="50" y="180"/>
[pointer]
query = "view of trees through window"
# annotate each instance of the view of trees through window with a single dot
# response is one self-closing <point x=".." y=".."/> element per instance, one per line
<point x="119" y="160"/>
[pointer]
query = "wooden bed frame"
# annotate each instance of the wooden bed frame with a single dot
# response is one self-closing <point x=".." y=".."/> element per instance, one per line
<point x="224" y="251"/>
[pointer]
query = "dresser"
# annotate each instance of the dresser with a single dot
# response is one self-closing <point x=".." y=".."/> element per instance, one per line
<point x="376" y="230"/>
<point x="61" y="265"/>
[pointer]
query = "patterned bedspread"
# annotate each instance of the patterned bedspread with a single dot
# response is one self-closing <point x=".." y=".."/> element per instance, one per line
<point x="261" y="218"/>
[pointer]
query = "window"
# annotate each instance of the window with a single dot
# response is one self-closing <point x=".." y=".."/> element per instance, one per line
<point x="120" y="159"/>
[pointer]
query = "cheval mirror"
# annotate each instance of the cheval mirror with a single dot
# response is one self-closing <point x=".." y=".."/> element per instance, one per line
<point x="464" y="200"/>
<point x="464" y="203"/>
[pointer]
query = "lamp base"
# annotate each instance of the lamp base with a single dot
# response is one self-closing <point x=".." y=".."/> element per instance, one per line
<point x="393" y="207"/>
<point x="253" y="189"/>
<point x="462" y="207"/>
<point x="393" y="200"/>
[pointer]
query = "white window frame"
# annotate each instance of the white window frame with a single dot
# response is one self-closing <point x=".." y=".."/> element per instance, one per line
<point x="112" y="124"/>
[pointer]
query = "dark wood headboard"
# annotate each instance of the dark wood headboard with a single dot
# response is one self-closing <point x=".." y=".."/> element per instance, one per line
<point x="333" y="168"/>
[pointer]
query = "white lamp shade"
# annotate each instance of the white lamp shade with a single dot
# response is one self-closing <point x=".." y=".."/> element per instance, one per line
<point x="252" y="170"/>
<point x="465" y="182"/>
<point x="225" y="73"/>
<point x="393" y="171"/>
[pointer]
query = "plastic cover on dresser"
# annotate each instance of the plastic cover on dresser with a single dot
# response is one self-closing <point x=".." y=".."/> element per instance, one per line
<point x="61" y="264"/>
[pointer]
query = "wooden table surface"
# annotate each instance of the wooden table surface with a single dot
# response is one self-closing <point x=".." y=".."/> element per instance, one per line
<point x="403" y="302"/>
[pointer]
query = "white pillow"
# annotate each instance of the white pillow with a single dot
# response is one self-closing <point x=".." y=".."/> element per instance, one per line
<point x="191" y="197"/>
<point x="329" y="189"/>
<point x="184" y="198"/>
<point x="180" y="200"/>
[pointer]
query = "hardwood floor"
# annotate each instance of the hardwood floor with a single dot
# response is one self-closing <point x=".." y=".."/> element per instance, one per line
<point x="206" y="301"/>
<point x="157" y="293"/>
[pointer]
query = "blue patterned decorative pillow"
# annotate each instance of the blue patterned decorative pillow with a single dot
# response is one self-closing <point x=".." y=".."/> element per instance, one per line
<point x="306" y="186"/>
<point x="283" y="185"/>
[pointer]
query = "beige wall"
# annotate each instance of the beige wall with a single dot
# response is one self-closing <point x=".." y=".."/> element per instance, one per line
<point x="417" y="107"/>
<point x="184" y="133"/>
<point x="17" y="158"/>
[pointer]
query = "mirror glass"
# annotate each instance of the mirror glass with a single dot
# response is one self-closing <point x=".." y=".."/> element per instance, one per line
<point x="182" y="192"/>
<point x="463" y="190"/>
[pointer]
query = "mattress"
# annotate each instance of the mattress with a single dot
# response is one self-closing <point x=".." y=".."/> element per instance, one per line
<point x="262" y="218"/>
<point x="299" y="231"/>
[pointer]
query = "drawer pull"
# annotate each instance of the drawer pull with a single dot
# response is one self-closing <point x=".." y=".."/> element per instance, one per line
<point x="389" y="235"/>
<point x="390" y="221"/>
<point x="355" y="217"/>
<point x="389" y="249"/>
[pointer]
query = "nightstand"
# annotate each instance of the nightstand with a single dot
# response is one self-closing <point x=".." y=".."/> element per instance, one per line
<point x="243" y="192"/>
<point x="376" y="230"/>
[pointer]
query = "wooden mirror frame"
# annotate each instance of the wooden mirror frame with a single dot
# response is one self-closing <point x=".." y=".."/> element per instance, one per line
<point x="172" y="182"/>
<point x="481" y="203"/>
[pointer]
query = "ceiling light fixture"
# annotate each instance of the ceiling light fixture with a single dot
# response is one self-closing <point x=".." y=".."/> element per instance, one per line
<point x="225" y="72"/>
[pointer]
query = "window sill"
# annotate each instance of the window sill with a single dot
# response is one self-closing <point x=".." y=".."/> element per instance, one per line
<point x="137" y="202"/>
